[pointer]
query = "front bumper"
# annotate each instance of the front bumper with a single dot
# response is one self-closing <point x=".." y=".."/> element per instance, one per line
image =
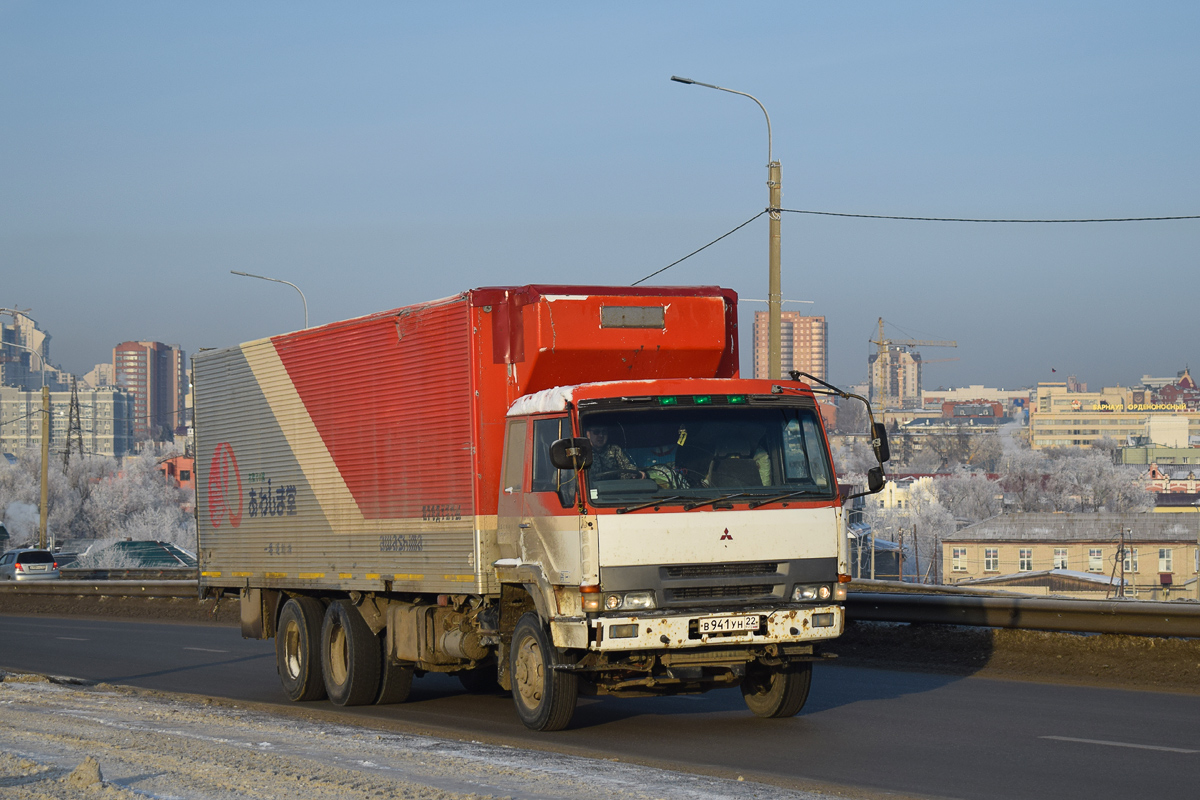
<point x="658" y="631"/>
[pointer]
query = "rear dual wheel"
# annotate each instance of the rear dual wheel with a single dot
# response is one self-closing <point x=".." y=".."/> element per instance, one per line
<point x="395" y="680"/>
<point x="350" y="656"/>
<point x="332" y="652"/>
<point x="297" y="648"/>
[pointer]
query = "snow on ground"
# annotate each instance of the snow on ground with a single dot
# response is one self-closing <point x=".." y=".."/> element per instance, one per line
<point x="61" y="739"/>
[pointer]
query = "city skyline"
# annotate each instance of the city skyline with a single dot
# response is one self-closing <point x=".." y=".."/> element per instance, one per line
<point x="341" y="149"/>
<point x="749" y="358"/>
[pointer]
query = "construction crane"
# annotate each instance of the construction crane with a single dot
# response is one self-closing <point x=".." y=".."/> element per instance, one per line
<point x="882" y="342"/>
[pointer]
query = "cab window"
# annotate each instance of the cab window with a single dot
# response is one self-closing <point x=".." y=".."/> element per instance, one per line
<point x="545" y="477"/>
<point x="514" y="458"/>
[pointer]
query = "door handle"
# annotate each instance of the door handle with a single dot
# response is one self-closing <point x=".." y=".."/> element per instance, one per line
<point x="523" y="525"/>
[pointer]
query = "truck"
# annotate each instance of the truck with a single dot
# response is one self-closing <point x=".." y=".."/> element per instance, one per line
<point x="553" y="490"/>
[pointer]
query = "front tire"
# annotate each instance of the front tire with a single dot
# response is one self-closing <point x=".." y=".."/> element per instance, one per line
<point x="297" y="649"/>
<point x="350" y="656"/>
<point x="779" y="691"/>
<point x="544" y="696"/>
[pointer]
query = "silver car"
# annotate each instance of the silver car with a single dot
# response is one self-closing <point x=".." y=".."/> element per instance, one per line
<point x="28" y="564"/>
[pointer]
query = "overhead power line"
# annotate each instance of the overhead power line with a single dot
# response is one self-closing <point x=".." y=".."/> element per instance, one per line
<point x="966" y="219"/>
<point x="913" y="219"/>
<point x="710" y="244"/>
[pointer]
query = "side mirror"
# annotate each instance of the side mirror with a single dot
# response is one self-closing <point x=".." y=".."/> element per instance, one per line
<point x="875" y="480"/>
<point x="879" y="443"/>
<point x="572" y="454"/>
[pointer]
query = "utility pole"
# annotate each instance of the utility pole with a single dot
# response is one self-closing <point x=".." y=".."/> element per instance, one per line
<point x="917" y="552"/>
<point x="872" y="552"/>
<point x="1121" y="555"/>
<point x="44" y="509"/>
<point x="774" y="288"/>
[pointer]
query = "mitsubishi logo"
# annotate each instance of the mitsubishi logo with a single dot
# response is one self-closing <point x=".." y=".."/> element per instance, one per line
<point x="726" y="535"/>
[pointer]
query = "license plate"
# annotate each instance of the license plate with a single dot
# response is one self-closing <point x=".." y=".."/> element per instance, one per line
<point x="728" y="624"/>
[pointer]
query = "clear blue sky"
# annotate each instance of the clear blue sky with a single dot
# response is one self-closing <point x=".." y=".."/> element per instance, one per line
<point x="379" y="154"/>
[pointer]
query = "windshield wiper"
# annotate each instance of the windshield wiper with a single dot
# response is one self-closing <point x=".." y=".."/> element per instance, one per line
<point x="714" y="501"/>
<point x="786" y="496"/>
<point x="675" y="498"/>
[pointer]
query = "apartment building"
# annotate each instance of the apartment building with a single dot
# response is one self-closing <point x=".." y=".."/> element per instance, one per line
<point x="1061" y="418"/>
<point x="1160" y="560"/>
<point x="156" y="375"/>
<point x="896" y="378"/>
<point x="803" y="344"/>
<point x="105" y="417"/>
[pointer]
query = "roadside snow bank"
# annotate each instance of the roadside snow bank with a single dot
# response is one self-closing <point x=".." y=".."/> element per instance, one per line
<point x="61" y="739"/>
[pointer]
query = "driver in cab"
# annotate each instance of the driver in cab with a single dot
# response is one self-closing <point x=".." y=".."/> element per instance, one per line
<point x="608" y="457"/>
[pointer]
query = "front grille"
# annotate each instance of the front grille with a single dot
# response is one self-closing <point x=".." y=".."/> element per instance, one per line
<point x="720" y="570"/>
<point x="721" y="592"/>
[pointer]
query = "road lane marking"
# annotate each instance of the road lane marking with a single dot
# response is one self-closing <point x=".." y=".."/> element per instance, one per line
<point x="1122" y="744"/>
<point x="71" y="639"/>
<point x="205" y="650"/>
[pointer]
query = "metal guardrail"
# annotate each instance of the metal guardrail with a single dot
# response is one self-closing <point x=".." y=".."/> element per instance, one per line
<point x="132" y="574"/>
<point x="72" y="588"/>
<point x="907" y="603"/>
<point x="908" y="587"/>
<point x="1133" y="617"/>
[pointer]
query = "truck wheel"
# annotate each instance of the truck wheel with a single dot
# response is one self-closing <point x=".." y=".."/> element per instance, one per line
<point x="395" y="680"/>
<point x="350" y="656"/>
<point x="544" y="697"/>
<point x="297" y="652"/>
<point x="779" y="691"/>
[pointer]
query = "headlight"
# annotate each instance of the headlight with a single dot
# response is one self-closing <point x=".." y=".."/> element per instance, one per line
<point x="639" y="600"/>
<point x="629" y="601"/>
<point x="810" y="592"/>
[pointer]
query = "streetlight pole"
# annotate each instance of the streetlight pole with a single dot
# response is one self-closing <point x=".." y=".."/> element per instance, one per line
<point x="277" y="280"/>
<point x="775" y="194"/>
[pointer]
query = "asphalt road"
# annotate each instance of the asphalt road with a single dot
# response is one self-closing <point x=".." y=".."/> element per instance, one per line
<point x="901" y="732"/>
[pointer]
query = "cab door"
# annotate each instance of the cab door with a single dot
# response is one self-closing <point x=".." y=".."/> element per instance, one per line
<point x="550" y="528"/>
<point x="510" y="509"/>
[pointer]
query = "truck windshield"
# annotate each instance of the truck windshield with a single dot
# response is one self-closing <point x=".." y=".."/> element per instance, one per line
<point x="698" y="453"/>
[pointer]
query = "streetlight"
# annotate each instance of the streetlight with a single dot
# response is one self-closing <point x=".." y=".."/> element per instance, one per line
<point x="775" y="191"/>
<point x="277" y="280"/>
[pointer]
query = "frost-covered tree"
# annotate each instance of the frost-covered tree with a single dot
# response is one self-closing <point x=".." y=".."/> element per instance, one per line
<point x="924" y="522"/>
<point x="1085" y="480"/>
<point x="1025" y="478"/>
<point x="97" y="498"/>
<point x="969" y="496"/>
<point x="852" y="417"/>
<point x="852" y="462"/>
